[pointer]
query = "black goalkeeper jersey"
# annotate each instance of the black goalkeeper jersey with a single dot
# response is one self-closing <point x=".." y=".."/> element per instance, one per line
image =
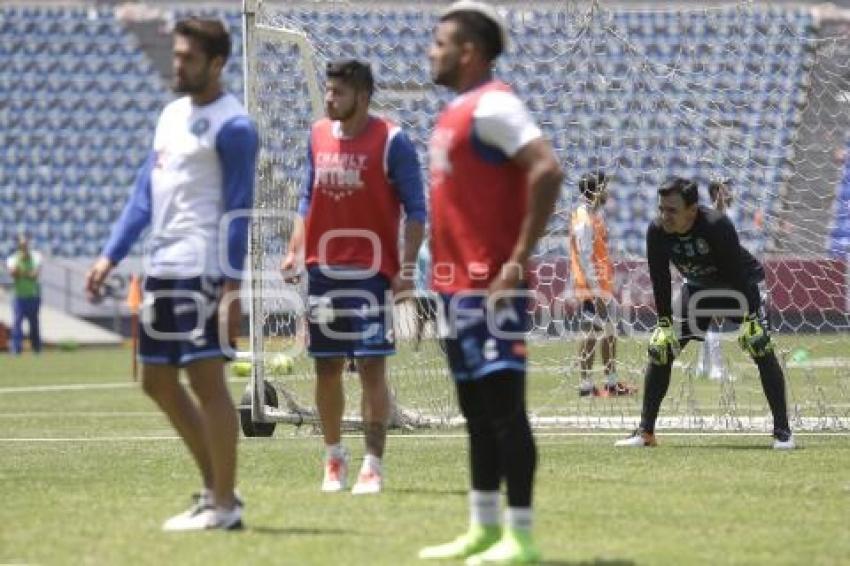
<point x="710" y="256"/>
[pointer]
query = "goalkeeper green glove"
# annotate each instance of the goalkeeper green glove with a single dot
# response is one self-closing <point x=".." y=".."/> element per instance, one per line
<point x="663" y="344"/>
<point x="754" y="338"/>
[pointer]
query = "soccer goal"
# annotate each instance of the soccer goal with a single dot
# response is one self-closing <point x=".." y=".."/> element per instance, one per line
<point x="757" y="94"/>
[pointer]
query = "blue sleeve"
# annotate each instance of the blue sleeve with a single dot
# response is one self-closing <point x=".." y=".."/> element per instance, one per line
<point x="307" y="183"/>
<point x="237" y="143"/>
<point x="135" y="217"/>
<point x="406" y="175"/>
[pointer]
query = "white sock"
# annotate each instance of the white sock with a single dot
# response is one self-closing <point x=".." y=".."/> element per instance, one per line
<point x="334" y="451"/>
<point x="717" y="354"/>
<point x="371" y="462"/>
<point x="612" y="378"/>
<point x="702" y="360"/>
<point x="519" y="518"/>
<point x="484" y="508"/>
<point x="233" y="509"/>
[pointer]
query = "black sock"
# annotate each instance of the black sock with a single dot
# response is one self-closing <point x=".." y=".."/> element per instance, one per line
<point x="519" y="458"/>
<point x="506" y="401"/>
<point x="485" y="463"/>
<point x="655" y="386"/>
<point x="500" y="436"/>
<point x="773" y="383"/>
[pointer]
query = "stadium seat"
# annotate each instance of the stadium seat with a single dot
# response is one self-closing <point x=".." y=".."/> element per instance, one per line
<point x="86" y="98"/>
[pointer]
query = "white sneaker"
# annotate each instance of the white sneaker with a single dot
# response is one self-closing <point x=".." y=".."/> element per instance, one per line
<point x="586" y="388"/>
<point x="201" y="501"/>
<point x="638" y="439"/>
<point x="204" y="518"/>
<point x="786" y="443"/>
<point x="369" y="481"/>
<point x="336" y="473"/>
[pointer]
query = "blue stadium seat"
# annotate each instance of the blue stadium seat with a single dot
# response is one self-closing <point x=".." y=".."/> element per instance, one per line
<point x="86" y="97"/>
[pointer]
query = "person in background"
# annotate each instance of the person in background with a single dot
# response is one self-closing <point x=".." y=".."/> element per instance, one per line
<point x="24" y="266"/>
<point x="710" y="359"/>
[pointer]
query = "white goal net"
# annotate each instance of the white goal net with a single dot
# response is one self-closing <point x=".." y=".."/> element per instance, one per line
<point x="754" y="93"/>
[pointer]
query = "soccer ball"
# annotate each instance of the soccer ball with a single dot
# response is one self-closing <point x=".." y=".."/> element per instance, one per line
<point x="241" y="368"/>
<point x="281" y="364"/>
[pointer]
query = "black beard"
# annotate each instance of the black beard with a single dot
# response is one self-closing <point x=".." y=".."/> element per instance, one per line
<point x="346" y="116"/>
<point x="447" y="78"/>
<point x="190" y="87"/>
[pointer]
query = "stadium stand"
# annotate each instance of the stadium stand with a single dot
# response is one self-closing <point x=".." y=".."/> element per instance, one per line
<point x="78" y="98"/>
<point x="839" y="237"/>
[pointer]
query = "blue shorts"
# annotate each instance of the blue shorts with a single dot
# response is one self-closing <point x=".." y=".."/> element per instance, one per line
<point x="480" y="342"/>
<point x="184" y="312"/>
<point x="348" y="317"/>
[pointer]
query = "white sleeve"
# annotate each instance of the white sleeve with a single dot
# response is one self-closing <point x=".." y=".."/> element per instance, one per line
<point x="503" y="121"/>
<point x="10" y="262"/>
<point x="584" y="243"/>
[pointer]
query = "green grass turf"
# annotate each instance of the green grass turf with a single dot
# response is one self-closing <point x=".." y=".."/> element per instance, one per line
<point x="422" y="383"/>
<point x="694" y="500"/>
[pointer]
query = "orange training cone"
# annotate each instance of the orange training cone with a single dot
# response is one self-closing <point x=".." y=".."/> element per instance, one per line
<point x="134" y="300"/>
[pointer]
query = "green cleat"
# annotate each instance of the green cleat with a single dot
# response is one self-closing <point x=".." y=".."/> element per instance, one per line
<point x="515" y="547"/>
<point x="476" y="540"/>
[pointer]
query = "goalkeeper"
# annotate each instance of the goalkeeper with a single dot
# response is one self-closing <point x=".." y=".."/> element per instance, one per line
<point x="721" y="280"/>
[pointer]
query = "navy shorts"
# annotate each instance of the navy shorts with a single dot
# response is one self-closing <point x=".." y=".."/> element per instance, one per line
<point x="178" y="321"/>
<point x="348" y="317"/>
<point x="717" y="305"/>
<point x="480" y="342"/>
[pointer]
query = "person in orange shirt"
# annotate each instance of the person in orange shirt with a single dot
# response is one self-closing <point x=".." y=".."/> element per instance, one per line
<point x="593" y="282"/>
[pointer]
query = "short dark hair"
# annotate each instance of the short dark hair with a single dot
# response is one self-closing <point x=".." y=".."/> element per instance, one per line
<point x="352" y="72"/>
<point x="715" y="185"/>
<point x="591" y="183"/>
<point x="210" y="34"/>
<point x="681" y="186"/>
<point x="480" y="30"/>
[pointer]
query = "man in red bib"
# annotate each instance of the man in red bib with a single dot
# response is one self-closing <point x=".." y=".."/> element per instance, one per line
<point x="362" y="171"/>
<point x="494" y="183"/>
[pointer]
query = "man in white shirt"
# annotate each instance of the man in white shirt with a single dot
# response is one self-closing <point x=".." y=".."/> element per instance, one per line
<point x="195" y="191"/>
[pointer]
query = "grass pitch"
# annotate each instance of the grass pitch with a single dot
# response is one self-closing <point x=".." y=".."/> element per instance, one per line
<point x="88" y="475"/>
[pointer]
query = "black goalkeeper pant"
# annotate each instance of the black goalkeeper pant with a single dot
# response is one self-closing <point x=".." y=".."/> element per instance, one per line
<point x="772" y="381"/>
<point x="501" y="444"/>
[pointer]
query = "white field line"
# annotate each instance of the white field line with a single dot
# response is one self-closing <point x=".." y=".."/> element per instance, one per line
<point x="66" y="387"/>
<point x="588" y="418"/>
<point x="83" y="386"/>
<point x="80" y="414"/>
<point x="397" y="437"/>
<point x="533" y="368"/>
<point x="88" y="439"/>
